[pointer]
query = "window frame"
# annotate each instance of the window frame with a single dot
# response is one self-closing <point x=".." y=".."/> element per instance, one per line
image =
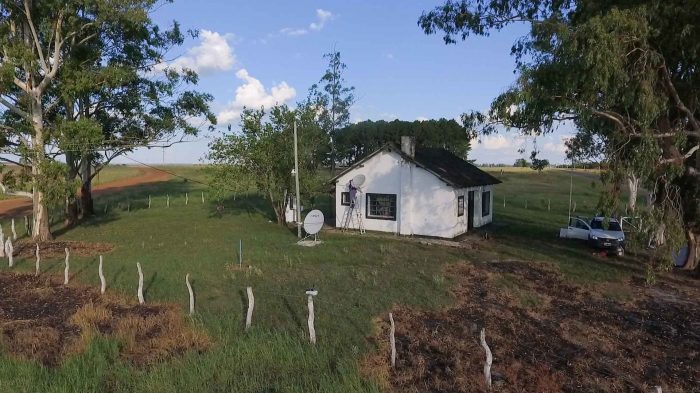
<point x="485" y="203"/>
<point x="460" y="206"/>
<point x="345" y="198"/>
<point x="368" y="206"/>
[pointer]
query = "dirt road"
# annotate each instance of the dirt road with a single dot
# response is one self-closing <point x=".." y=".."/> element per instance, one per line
<point x="22" y="206"/>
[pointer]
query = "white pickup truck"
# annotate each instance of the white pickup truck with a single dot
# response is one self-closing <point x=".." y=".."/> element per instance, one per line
<point x="599" y="232"/>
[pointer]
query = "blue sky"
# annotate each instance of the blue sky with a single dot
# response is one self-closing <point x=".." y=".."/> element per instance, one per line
<point x="260" y="53"/>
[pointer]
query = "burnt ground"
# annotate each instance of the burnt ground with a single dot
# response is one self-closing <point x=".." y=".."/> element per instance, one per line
<point x="44" y="320"/>
<point x="26" y="249"/>
<point x="546" y="334"/>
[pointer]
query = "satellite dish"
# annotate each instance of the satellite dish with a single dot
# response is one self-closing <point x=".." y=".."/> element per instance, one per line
<point x="313" y="222"/>
<point x="358" y="180"/>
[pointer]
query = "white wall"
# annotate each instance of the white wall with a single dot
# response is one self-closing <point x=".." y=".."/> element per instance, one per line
<point x="425" y="205"/>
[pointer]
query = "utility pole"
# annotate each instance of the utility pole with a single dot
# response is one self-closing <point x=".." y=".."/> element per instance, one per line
<point x="297" y="203"/>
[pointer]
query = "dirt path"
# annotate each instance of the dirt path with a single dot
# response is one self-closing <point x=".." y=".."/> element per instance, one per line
<point x="21" y="206"/>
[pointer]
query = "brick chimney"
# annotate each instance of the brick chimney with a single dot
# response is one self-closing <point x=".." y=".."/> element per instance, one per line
<point x="408" y="146"/>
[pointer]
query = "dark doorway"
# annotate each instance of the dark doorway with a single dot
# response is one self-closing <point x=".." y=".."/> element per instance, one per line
<point x="470" y="210"/>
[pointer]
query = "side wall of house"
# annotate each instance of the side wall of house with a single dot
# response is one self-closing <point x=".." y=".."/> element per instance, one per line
<point x="430" y="205"/>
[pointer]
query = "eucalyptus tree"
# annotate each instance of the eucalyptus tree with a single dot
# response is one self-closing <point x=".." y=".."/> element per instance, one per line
<point x="624" y="72"/>
<point x="77" y="78"/>
<point x="333" y="99"/>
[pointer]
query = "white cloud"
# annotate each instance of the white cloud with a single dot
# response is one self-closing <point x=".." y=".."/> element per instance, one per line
<point x="495" y="142"/>
<point x="253" y="94"/>
<point x="212" y="54"/>
<point x="322" y="17"/>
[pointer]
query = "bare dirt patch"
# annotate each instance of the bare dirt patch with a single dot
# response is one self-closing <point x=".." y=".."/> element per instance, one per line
<point x="26" y="249"/>
<point x="546" y="335"/>
<point x="44" y="320"/>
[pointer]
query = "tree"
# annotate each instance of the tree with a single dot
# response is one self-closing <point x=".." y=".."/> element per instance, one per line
<point x="333" y="100"/>
<point x="114" y="99"/>
<point x="74" y="76"/>
<point x="262" y="154"/>
<point x="521" y="163"/>
<point x="625" y="73"/>
<point x="356" y="141"/>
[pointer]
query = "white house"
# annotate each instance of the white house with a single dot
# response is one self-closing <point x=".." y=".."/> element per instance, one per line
<point x="414" y="191"/>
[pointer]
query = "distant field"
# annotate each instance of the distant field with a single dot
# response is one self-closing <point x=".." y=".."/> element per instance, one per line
<point x="359" y="279"/>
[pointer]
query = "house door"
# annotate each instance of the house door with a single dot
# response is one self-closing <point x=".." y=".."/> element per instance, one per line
<point x="470" y="210"/>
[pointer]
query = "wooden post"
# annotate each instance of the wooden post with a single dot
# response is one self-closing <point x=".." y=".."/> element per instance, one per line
<point x="504" y="201"/>
<point x="2" y="243"/>
<point x="549" y="205"/>
<point x="9" y="250"/>
<point x="103" y="282"/>
<point x="168" y="201"/>
<point x="489" y="358"/>
<point x="189" y="289"/>
<point x="251" y="305"/>
<point x="149" y="201"/>
<point x="312" y="331"/>
<point x="106" y="206"/>
<point x="573" y="209"/>
<point x="187" y="199"/>
<point x="14" y="232"/>
<point x="26" y="225"/>
<point x="139" y="292"/>
<point x="240" y="253"/>
<point x="38" y="260"/>
<point x="392" y="341"/>
<point x="65" y="272"/>
<point x="202" y="197"/>
<point x="657" y="389"/>
<point x="296" y="182"/>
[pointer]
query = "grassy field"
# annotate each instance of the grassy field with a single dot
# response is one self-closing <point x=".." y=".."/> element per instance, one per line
<point x="358" y="279"/>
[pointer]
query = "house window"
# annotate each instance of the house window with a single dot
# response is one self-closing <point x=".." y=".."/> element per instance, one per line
<point x="345" y="198"/>
<point x="460" y="206"/>
<point x="485" y="203"/>
<point x="381" y="206"/>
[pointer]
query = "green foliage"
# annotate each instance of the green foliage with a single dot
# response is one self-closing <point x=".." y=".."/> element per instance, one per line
<point x="521" y="163"/>
<point x="356" y="141"/>
<point x="332" y="99"/>
<point x="262" y="154"/>
<point x="625" y="73"/>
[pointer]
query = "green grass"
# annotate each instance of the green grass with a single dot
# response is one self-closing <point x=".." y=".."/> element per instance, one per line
<point x="115" y="172"/>
<point x="358" y="279"/>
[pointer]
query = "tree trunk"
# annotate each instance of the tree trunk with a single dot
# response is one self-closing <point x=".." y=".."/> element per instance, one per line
<point x="693" y="250"/>
<point x="86" y="201"/>
<point x="633" y="185"/>
<point x="41" y="230"/>
<point x="72" y="210"/>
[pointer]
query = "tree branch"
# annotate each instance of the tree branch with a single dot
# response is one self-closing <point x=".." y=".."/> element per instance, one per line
<point x="58" y="44"/>
<point x="14" y="108"/>
<point x="677" y="100"/>
<point x="30" y="22"/>
<point x="13" y="162"/>
<point x="683" y="157"/>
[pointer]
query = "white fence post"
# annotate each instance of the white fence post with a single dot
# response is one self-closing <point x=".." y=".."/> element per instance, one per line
<point x="189" y="289"/>
<point x="149" y="201"/>
<point x="251" y="306"/>
<point x="65" y="272"/>
<point x="312" y="330"/>
<point x="187" y="199"/>
<point x="14" y="232"/>
<point x="168" y="201"/>
<point x="489" y="358"/>
<point x="392" y="341"/>
<point x="26" y="225"/>
<point x="202" y="197"/>
<point x="549" y="205"/>
<point x="103" y="282"/>
<point x="2" y="243"/>
<point x="9" y="250"/>
<point x="139" y="292"/>
<point x="38" y="260"/>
